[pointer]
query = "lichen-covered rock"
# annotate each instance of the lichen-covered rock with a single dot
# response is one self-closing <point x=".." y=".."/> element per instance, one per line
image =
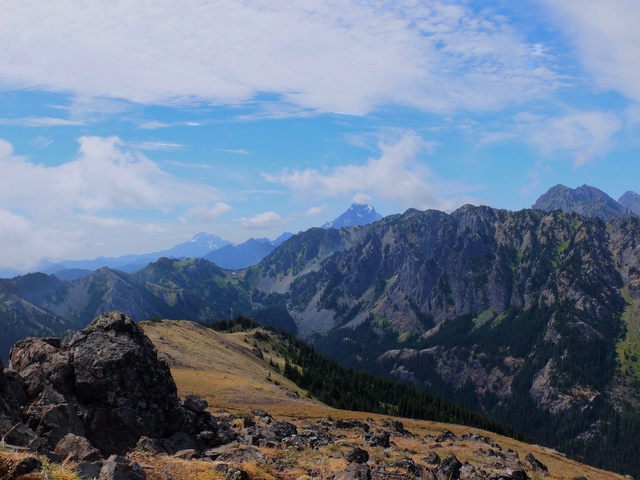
<point x="11" y="397"/>
<point x="108" y="386"/>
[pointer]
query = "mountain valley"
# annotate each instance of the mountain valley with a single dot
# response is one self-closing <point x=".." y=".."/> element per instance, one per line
<point x="231" y="413"/>
<point x="501" y="312"/>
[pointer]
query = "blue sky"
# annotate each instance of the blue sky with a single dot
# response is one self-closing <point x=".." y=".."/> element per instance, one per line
<point x="128" y="127"/>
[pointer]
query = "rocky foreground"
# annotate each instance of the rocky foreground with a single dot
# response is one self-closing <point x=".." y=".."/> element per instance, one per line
<point x="104" y="406"/>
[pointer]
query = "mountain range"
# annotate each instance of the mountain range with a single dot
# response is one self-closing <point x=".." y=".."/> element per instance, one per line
<point x="222" y="252"/>
<point x="502" y="312"/>
<point x="588" y="201"/>
<point x="160" y="400"/>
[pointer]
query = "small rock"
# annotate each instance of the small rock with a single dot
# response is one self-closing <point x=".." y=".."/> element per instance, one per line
<point x="238" y="456"/>
<point x="257" y="352"/>
<point x="248" y="422"/>
<point x="355" y="471"/>
<point x="89" y="470"/>
<point x="260" y="413"/>
<point x="468" y="472"/>
<point x="278" y="431"/>
<point x="446" y="436"/>
<point x="380" y="439"/>
<point x="537" y="465"/>
<point x="150" y="445"/>
<point x="187" y="454"/>
<point x="22" y="436"/>
<point x="230" y="473"/>
<point x="74" y="448"/>
<point x="449" y="468"/>
<point x="195" y="403"/>
<point x="432" y="458"/>
<point x="410" y="466"/>
<point x="121" y="468"/>
<point x="25" y="466"/>
<point x="358" y="455"/>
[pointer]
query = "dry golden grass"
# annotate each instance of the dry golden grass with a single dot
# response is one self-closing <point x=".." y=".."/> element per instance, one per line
<point x="222" y="369"/>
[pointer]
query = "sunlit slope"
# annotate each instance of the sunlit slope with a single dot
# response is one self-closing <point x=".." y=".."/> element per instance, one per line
<point x="226" y="370"/>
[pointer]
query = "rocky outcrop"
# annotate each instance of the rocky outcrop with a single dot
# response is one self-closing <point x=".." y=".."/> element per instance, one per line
<point x="108" y="386"/>
<point x="11" y="397"/>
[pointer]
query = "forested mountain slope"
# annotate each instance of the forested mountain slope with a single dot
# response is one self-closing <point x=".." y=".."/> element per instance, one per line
<point x="504" y="312"/>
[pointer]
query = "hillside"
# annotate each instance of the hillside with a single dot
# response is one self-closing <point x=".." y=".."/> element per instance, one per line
<point x="121" y="413"/>
<point x="224" y="369"/>
<point x="496" y="311"/>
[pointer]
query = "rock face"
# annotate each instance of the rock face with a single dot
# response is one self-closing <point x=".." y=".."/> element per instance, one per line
<point x="11" y="397"/>
<point x="106" y="385"/>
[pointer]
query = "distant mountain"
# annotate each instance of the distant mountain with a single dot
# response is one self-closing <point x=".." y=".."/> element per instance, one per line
<point x="71" y="273"/>
<point x="251" y="252"/>
<point x="199" y="246"/>
<point x="20" y="318"/>
<point x="631" y="201"/>
<point x="585" y="200"/>
<point x="237" y="257"/>
<point x="356" y="215"/>
<point x="499" y="311"/>
<point x="203" y="245"/>
<point x="38" y="304"/>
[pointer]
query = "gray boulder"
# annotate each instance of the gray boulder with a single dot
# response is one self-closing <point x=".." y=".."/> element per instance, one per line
<point x="121" y="468"/>
<point x="73" y="448"/>
<point x="109" y="386"/>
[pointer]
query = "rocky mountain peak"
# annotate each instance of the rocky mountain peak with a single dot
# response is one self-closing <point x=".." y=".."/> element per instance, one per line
<point x="356" y="215"/>
<point x="585" y="200"/>
<point x="631" y="201"/>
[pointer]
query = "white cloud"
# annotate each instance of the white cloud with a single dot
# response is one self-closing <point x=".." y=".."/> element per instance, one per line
<point x="104" y="222"/>
<point x="316" y="55"/>
<point x="396" y="175"/>
<point x="21" y="238"/>
<point x="53" y="211"/>
<point x="262" y="221"/>
<point x="362" y="198"/>
<point x="315" y="211"/>
<point x="156" y="146"/>
<point x="584" y="136"/>
<point x="104" y="175"/>
<point x="607" y="38"/>
<point x="40" y="122"/>
<point x="239" y="151"/>
<point x="206" y="213"/>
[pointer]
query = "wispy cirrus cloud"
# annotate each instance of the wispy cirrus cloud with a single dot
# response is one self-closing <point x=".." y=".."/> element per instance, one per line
<point x="40" y="122"/>
<point x="397" y="175"/>
<point x="607" y="39"/>
<point x="338" y="56"/>
<point x="262" y="221"/>
<point x="583" y="136"/>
